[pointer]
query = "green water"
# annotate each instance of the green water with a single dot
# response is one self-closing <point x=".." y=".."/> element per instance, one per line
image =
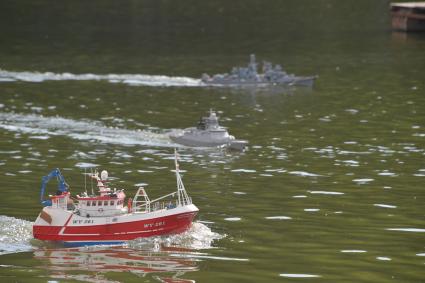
<point x="330" y="190"/>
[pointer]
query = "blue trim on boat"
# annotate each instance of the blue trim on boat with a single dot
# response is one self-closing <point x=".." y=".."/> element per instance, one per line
<point x="81" y="244"/>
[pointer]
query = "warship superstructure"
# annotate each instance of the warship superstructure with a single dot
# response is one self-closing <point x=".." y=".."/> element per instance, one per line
<point x="271" y="75"/>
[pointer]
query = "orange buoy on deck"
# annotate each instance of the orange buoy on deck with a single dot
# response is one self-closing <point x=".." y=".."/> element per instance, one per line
<point x="129" y="203"/>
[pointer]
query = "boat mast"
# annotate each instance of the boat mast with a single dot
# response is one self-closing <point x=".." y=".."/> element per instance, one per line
<point x="183" y="198"/>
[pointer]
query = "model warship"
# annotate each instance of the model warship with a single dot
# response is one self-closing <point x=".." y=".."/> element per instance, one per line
<point x="208" y="133"/>
<point x="271" y="75"/>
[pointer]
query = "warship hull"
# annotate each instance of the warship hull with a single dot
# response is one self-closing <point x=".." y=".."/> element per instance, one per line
<point x="304" y="81"/>
<point x="296" y="81"/>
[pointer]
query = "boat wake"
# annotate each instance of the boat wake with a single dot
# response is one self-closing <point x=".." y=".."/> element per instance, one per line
<point x="199" y="236"/>
<point x="15" y="235"/>
<point x="41" y="127"/>
<point x="130" y="79"/>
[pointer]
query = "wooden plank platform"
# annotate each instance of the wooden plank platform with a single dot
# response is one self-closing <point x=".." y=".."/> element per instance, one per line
<point x="408" y="16"/>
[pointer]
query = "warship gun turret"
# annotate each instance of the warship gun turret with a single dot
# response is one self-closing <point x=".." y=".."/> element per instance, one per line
<point x="271" y="75"/>
<point x="208" y="133"/>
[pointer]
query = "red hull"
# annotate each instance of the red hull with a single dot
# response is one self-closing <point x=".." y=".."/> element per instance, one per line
<point x="171" y="224"/>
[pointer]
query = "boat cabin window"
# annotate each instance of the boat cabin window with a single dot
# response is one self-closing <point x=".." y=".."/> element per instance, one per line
<point x="105" y="202"/>
<point x="99" y="203"/>
<point x="111" y="202"/>
<point x="88" y="203"/>
<point x="93" y="203"/>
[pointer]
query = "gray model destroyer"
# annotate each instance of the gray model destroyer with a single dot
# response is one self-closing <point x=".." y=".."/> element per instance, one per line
<point x="272" y="75"/>
<point x="208" y="133"/>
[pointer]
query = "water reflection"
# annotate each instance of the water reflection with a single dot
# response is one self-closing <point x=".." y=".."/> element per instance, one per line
<point x="94" y="264"/>
<point x="162" y="259"/>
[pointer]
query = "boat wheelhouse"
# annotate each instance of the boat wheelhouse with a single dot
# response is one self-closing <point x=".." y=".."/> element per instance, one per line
<point x="107" y="203"/>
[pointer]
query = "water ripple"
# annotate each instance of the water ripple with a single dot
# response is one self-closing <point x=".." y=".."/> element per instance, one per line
<point x="384" y="205"/>
<point x="278" y="217"/>
<point x="353" y="251"/>
<point x="298" y="275"/>
<point x="201" y="256"/>
<point x="415" y="230"/>
<point x="363" y="181"/>
<point x="304" y="174"/>
<point x="326" y="193"/>
<point x="232" y="219"/>
<point x="244" y="170"/>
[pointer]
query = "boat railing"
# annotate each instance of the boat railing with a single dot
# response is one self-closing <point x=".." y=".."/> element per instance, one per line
<point x="163" y="203"/>
<point x="163" y="197"/>
<point x="141" y="205"/>
<point x="168" y="201"/>
<point x="147" y="205"/>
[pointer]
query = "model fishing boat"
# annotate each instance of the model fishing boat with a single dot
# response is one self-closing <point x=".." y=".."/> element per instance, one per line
<point x="103" y="218"/>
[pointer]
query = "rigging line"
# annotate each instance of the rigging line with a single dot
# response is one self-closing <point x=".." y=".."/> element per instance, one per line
<point x="85" y="180"/>
<point x="91" y="181"/>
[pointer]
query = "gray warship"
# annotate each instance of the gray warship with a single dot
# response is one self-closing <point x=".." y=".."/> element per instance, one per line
<point x="208" y="133"/>
<point x="271" y="75"/>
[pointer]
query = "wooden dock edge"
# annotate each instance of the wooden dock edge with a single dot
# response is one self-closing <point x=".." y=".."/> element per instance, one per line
<point x="408" y="16"/>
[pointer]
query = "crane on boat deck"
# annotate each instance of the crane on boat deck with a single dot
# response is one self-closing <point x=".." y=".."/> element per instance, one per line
<point x="62" y="185"/>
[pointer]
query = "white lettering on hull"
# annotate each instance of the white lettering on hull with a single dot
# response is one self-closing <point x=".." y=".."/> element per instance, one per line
<point x="156" y="224"/>
<point x="86" y="221"/>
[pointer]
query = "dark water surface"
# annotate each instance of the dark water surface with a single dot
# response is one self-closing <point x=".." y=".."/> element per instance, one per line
<point x="330" y="190"/>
